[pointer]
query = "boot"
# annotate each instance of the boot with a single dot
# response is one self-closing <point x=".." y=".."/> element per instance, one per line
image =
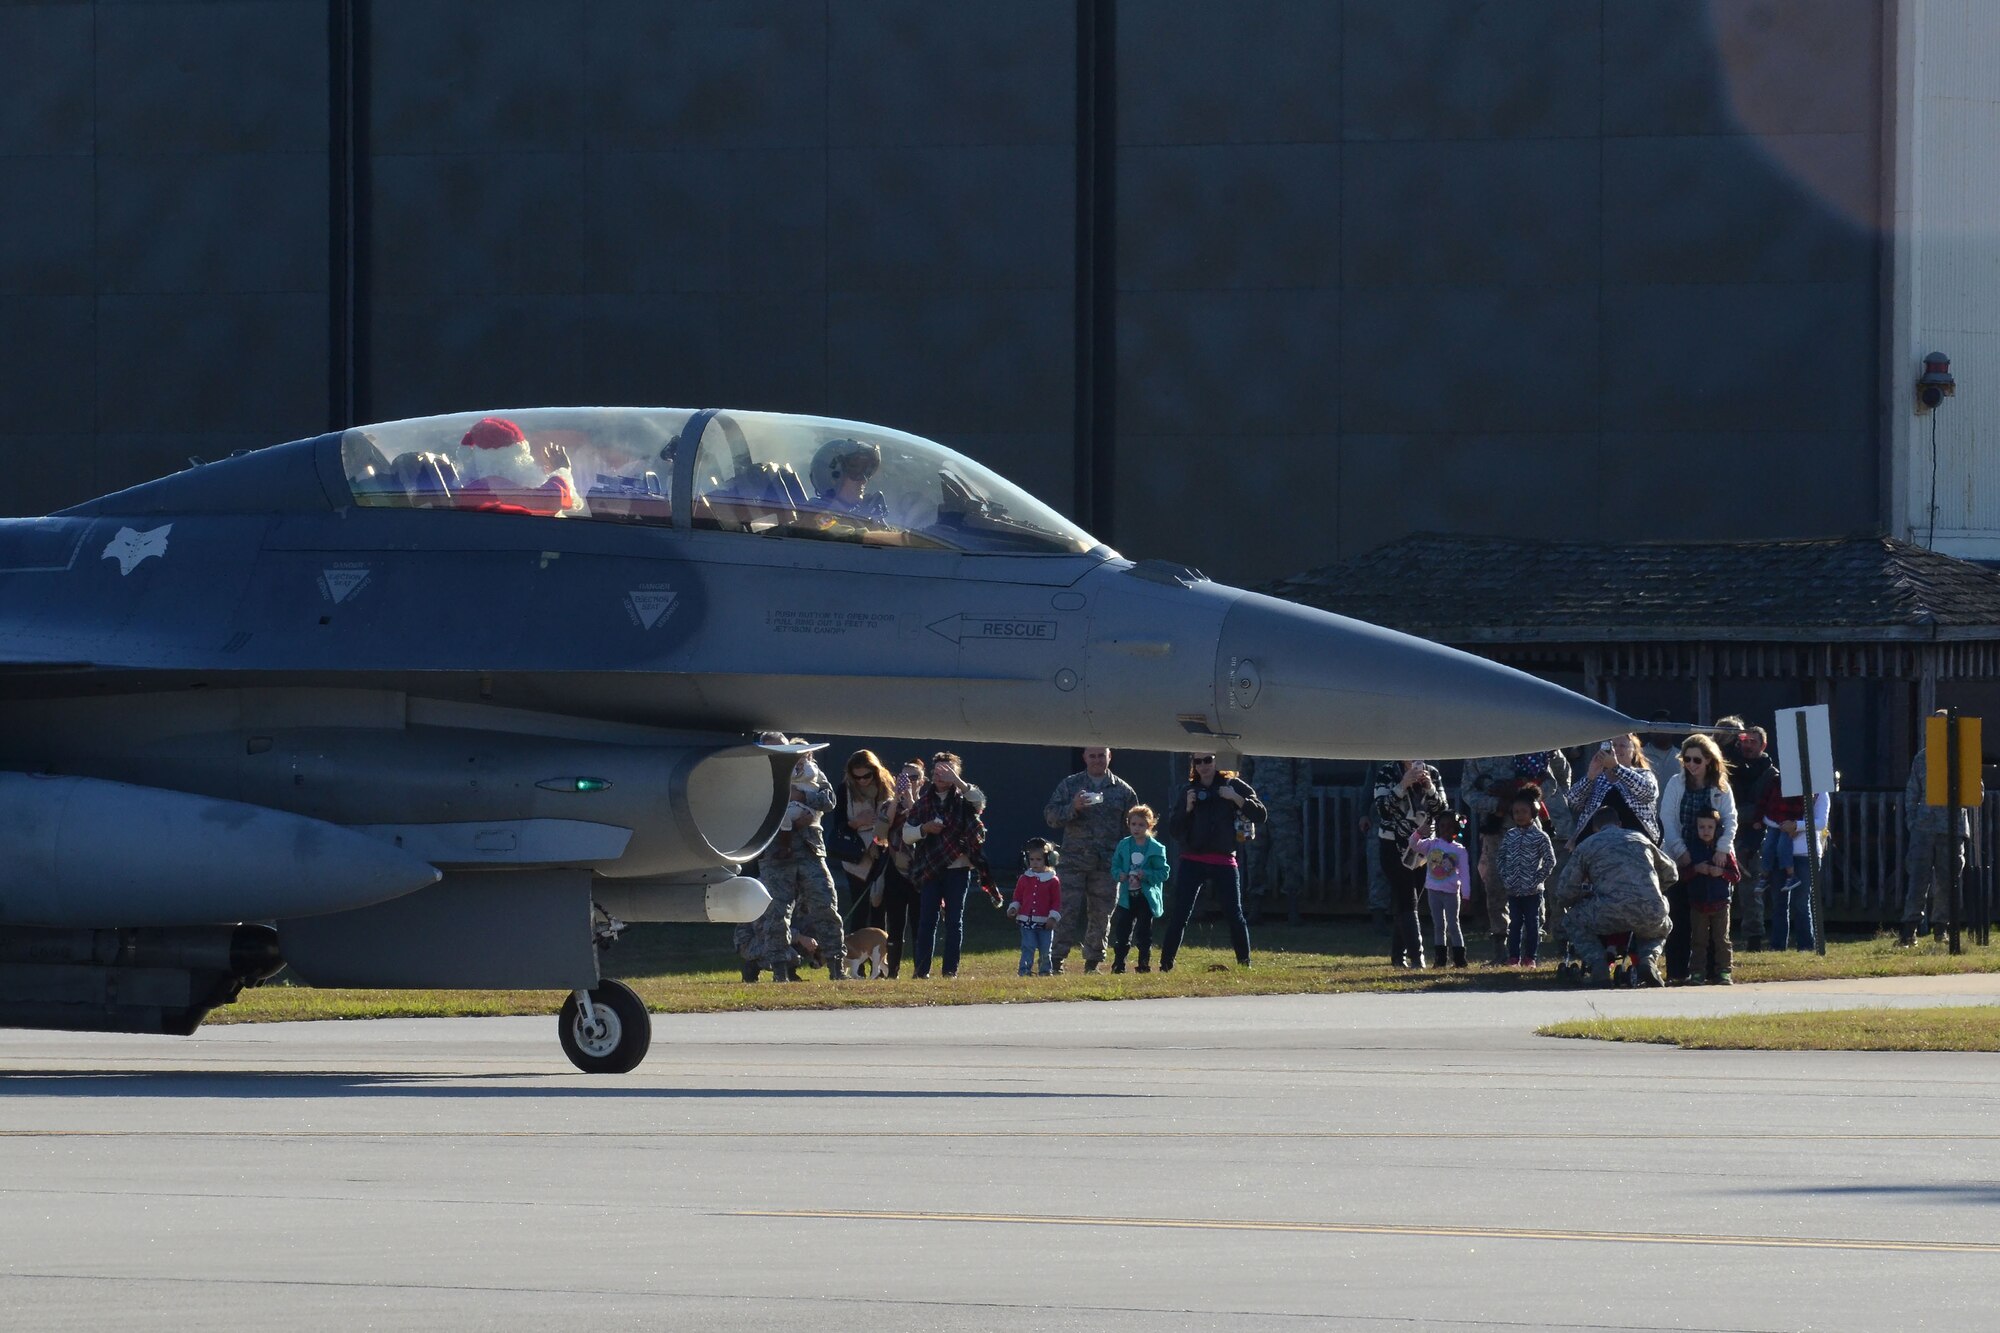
<point x="837" y="970"/>
<point x="750" y="971"/>
<point x="1118" y="960"/>
<point x="1440" y="955"/>
<point x="1057" y="968"/>
<point x="1906" y="937"/>
<point x="1145" y="960"/>
<point x="1458" y="955"/>
<point x="1499" y="950"/>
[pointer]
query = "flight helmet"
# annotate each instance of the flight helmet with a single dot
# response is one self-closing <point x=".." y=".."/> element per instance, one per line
<point x="839" y="459"/>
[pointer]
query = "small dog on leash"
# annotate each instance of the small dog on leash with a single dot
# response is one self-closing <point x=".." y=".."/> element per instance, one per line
<point x="868" y="952"/>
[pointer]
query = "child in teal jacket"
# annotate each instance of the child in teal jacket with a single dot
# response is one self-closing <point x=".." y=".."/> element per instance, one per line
<point x="1139" y="869"/>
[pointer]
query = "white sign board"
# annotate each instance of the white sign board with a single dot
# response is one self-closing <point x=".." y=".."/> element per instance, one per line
<point x="1815" y="767"/>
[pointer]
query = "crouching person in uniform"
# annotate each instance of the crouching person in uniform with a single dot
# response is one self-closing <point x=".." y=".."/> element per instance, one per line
<point x="766" y="943"/>
<point x="794" y="871"/>
<point x="1611" y="884"/>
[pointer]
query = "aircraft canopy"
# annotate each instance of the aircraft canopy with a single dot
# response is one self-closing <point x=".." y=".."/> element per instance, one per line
<point x="762" y="473"/>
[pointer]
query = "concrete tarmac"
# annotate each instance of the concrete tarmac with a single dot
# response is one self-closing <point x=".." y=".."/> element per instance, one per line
<point x="1369" y="1162"/>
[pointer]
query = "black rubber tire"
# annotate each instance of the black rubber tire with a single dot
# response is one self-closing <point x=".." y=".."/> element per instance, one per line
<point x="623" y="1035"/>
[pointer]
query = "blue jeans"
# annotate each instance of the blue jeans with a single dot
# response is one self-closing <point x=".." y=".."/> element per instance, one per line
<point x="1777" y="856"/>
<point x="944" y="895"/>
<point x="1524" y="926"/>
<point x="1034" y="938"/>
<point x="1228" y="882"/>
<point x="1791" y="909"/>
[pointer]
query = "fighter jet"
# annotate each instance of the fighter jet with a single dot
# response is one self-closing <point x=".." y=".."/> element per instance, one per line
<point x="446" y="701"/>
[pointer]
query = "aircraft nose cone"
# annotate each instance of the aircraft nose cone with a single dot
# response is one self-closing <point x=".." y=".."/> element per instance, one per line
<point x="1295" y="681"/>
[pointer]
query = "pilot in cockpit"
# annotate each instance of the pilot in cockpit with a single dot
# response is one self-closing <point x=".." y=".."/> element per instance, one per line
<point x="840" y="474"/>
<point x="510" y="475"/>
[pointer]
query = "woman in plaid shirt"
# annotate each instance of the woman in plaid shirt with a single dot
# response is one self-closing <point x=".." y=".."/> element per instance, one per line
<point x="1618" y="769"/>
<point x="945" y="831"/>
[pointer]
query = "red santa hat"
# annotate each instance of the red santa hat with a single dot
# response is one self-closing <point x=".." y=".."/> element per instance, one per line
<point x="494" y="433"/>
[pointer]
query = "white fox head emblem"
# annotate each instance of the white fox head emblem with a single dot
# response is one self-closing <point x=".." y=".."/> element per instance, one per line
<point x="128" y="548"/>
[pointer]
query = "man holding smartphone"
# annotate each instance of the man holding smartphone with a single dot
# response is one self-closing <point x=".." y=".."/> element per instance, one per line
<point x="1089" y="808"/>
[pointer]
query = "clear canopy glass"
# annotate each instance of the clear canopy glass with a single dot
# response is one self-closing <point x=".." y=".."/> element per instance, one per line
<point x="761" y="473"/>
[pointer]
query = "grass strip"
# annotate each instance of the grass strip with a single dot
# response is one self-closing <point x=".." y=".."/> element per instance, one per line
<point x="692" y="969"/>
<point x="1963" y="1027"/>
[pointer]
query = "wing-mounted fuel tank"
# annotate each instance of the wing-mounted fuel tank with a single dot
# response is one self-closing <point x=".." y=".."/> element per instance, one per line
<point x="80" y="851"/>
<point x="460" y="787"/>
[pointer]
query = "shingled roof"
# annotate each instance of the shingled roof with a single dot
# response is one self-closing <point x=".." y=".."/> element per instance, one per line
<point x="1506" y="590"/>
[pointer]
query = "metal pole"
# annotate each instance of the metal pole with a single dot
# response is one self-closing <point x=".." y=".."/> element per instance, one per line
<point x="1954" y="895"/>
<point x="1096" y="314"/>
<point x="1982" y="884"/>
<point x="1981" y="888"/>
<point x="1818" y="903"/>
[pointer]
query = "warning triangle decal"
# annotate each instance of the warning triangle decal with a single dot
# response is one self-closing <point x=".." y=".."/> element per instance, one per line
<point x="651" y="605"/>
<point x="341" y="584"/>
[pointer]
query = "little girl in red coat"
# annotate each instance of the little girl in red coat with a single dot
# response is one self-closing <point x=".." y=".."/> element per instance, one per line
<point x="1037" y="905"/>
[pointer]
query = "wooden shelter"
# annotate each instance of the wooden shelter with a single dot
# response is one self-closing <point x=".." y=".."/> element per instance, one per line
<point x="1883" y="630"/>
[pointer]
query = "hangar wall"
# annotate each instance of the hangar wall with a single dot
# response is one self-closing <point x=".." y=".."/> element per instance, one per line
<point x="1553" y="266"/>
<point x="163" y="252"/>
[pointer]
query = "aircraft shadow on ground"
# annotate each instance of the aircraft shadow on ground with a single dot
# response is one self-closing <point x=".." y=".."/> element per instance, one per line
<point x="343" y="1083"/>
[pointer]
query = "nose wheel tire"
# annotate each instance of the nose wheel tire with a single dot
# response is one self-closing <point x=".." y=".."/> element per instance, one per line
<point x="615" y="1036"/>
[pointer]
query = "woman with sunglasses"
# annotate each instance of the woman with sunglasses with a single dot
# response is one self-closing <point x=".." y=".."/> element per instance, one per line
<point x="1701" y="785"/>
<point x="863" y="805"/>
<point x="1207" y="813"/>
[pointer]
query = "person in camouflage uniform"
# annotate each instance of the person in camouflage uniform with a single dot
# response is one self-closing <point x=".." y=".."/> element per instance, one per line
<point x="794" y="871"/>
<point x="1089" y="808"/>
<point x="766" y="943"/>
<point x="1612" y="884"/>
<point x="1281" y="864"/>
<point x="1931" y="867"/>
<point x="1487" y="786"/>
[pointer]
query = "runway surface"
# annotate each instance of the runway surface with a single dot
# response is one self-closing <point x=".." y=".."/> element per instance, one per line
<point x="1350" y="1161"/>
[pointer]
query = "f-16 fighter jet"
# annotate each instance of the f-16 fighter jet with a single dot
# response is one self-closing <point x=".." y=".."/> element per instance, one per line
<point x="441" y="702"/>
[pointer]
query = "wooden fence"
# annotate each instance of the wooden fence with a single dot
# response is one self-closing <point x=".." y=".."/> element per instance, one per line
<point x="1864" y="863"/>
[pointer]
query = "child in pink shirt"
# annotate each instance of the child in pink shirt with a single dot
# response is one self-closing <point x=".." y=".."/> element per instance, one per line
<point x="1447" y="885"/>
<point x="1037" y="904"/>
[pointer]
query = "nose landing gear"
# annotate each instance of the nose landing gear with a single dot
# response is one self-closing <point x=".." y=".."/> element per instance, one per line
<point x="605" y="1030"/>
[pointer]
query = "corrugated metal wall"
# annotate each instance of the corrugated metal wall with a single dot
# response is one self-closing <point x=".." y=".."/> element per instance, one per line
<point x="1956" y="190"/>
